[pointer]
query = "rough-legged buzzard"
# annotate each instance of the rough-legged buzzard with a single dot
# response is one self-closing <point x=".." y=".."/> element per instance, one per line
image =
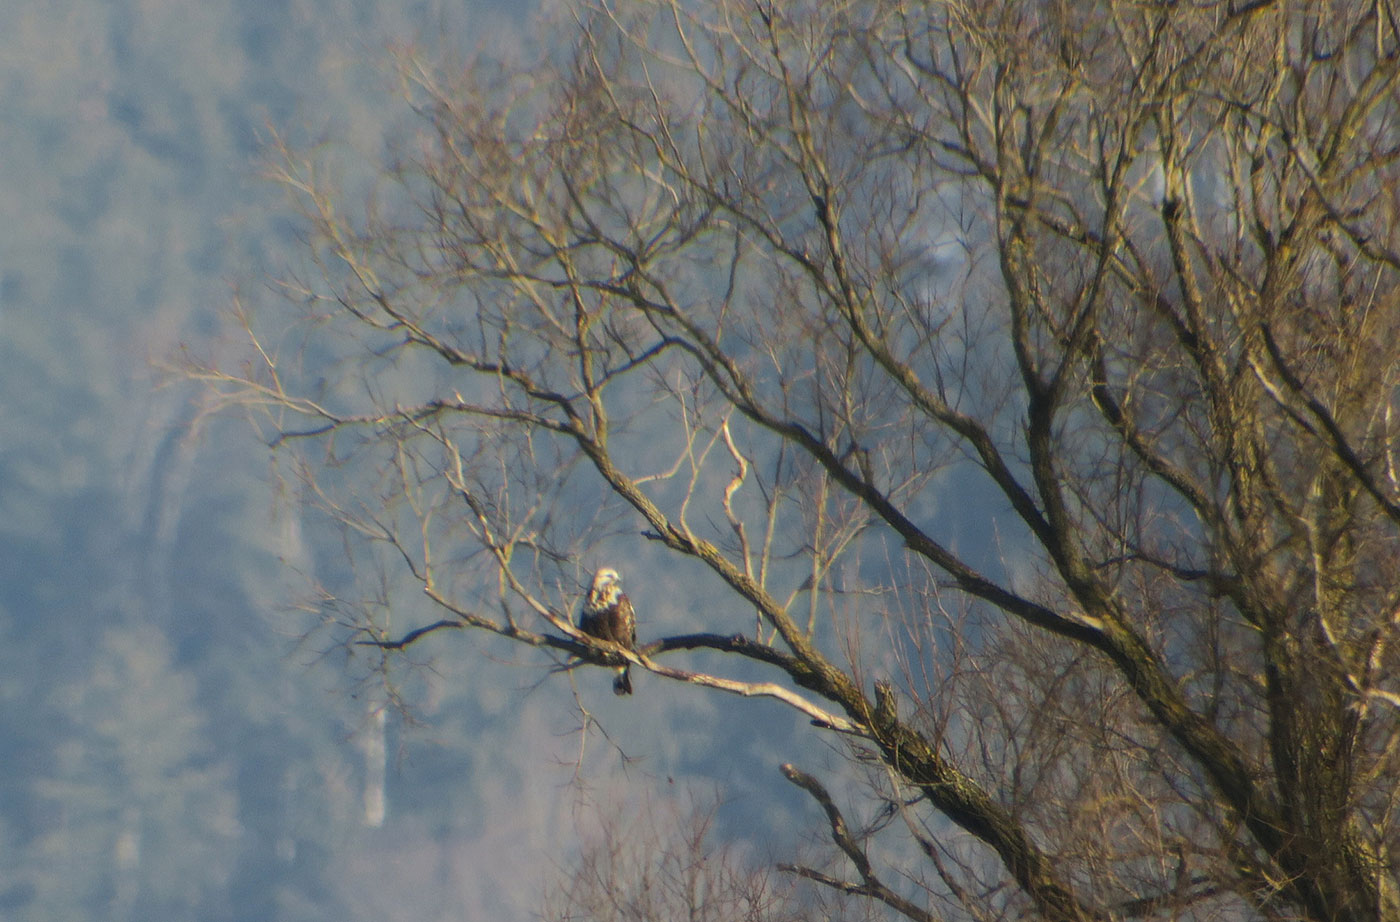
<point x="608" y="615"/>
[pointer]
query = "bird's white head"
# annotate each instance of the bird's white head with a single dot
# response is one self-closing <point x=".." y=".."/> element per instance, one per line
<point x="604" y="578"/>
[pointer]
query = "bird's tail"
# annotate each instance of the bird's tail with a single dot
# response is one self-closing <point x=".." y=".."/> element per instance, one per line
<point x="622" y="685"/>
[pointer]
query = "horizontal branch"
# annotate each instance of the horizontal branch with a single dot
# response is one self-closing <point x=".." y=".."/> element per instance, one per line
<point x="606" y="653"/>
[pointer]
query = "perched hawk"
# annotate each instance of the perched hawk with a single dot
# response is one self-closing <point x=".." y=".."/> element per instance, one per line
<point x="608" y="615"/>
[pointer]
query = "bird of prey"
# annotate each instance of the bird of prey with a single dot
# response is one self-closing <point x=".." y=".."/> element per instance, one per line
<point x="607" y="615"/>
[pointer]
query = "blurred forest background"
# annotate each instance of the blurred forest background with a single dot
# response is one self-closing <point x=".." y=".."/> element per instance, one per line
<point x="172" y="748"/>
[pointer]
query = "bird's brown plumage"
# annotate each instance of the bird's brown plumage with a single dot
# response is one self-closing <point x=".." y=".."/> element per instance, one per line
<point x="608" y="615"/>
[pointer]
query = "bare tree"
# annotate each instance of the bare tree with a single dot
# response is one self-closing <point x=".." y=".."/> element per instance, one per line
<point x="812" y="289"/>
<point x="652" y="863"/>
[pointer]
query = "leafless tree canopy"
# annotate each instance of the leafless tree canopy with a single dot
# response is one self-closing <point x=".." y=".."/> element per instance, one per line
<point x="809" y="290"/>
